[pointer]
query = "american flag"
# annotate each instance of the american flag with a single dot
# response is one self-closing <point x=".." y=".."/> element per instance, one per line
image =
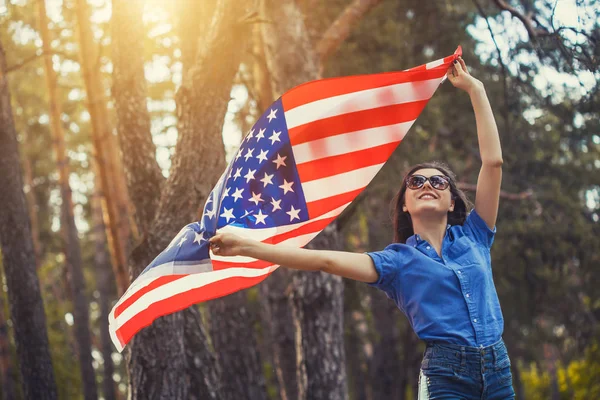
<point x="303" y="162"/>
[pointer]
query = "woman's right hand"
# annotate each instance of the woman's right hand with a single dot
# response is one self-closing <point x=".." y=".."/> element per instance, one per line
<point x="227" y="244"/>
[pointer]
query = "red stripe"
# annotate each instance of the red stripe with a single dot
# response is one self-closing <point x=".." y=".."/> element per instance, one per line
<point x="180" y="301"/>
<point x="320" y="207"/>
<point x="334" y="165"/>
<point x="156" y="283"/>
<point x="325" y="88"/>
<point x="356" y="121"/>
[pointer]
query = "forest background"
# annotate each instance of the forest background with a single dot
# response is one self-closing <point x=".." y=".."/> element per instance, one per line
<point x="117" y="119"/>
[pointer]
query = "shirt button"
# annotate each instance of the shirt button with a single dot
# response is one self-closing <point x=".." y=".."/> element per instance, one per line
<point x="428" y="247"/>
<point x="468" y="295"/>
<point x="475" y="320"/>
<point x="459" y="272"/>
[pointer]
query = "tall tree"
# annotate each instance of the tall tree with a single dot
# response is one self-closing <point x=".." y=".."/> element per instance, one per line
<point x="201" y="104"/>
<point x="68" y="229"/>
<point x="26" y="307"/>
<point x="316" y="298"/>
<point x="108" y="158"/>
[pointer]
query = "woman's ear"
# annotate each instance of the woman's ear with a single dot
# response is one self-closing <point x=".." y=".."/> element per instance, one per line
<point x="404" y="209"/>
<point x="451" y="206"/>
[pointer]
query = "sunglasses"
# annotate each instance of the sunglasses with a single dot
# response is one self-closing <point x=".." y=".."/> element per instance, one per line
<point x="438" y="182"/>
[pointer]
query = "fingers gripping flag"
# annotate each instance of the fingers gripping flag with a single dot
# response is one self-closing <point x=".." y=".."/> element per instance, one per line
<point x="303" y="162"/>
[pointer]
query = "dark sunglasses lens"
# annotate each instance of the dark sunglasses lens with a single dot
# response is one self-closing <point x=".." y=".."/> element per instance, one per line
<point x="415" y="181"/>
<point x="439" y="182"/>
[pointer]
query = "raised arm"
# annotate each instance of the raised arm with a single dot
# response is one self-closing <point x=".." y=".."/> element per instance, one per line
<point x="355" y="266"/>
<point x="490" y="175"/>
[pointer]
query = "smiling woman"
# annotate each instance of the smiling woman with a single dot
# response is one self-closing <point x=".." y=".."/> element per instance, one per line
<point x="440" y="248"/>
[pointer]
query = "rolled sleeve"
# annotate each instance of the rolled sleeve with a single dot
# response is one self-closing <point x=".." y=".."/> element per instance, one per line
<point x="386" y="265"/>
<point x="478" y="229"/>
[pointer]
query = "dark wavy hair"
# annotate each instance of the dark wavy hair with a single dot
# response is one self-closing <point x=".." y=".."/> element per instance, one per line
<point x="403" y="228"/>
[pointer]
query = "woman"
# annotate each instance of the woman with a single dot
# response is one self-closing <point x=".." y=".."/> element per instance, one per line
<point x="439" y="270"/>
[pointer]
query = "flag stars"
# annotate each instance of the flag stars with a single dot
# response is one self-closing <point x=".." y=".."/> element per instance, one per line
<point x="293" y="213"/>
<point x="249" y="154"/>
<point x="183" y="239"/>
<point x="280" y="161"/>
<point x="261" y="134"/>
<point x="275" y="137"/>
<point x="250" y="175"/>
<point x="260" y="218"/>
<point x="210" y="213"/>
<point x="267" y="180"/>
<point x="238" y="173"/>
<point x="227" y="213"/>
<point x="256" y="198"/>
<point x="250" y="135"/>
<point x="272" y="115"/>
<point x="199" y="238"/>
<point x="238" y="194"/>
<point x="226" y="192"/>
<point x="287" y="186"/>
<point x="262" y="156"/>
<point x="276" y="204"/>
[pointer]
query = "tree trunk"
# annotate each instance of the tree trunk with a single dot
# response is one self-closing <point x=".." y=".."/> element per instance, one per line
<point x="26" y="306"/>
<point x="354" y="319"/>
<point x="112" y="182"/>
<point x="316" y="297"/>
<point x="160" y="364"/>
<point x="32" y="204"/>
<point x="68" y="228"/>
<point x="104" y="279"/>
<point x="7" y="377"/>
<point x="232" y="332"/>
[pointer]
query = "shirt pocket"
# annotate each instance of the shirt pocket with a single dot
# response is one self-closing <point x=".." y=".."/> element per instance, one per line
<point x="463" y="251"/>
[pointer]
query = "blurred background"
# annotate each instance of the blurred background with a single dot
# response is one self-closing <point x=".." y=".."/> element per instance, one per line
<point x="126" y="112"/>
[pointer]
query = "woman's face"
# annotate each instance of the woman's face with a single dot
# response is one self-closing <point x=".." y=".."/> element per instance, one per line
<point x="427" y="200"/>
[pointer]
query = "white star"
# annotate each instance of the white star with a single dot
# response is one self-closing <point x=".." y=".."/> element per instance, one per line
<point x="280" y="161"/>
<point x="256" y="198"/>
<point x="275" y="137"/>
<point x="267" y="180"/>
<point x="181" y="232"/>
<point x="199" y="238"/>
<point x="260" y="218"/>
<point x="248" y="154"/>
<point x="228" y="213"/>
<point x="238" y="173"/>
<point x="226" y="192"/>
<point x="287" y="186"/>
<point x="250" y="135"/>
<point x="272" y="115"/>
<point x="210" y="213"/>
<point x="293" y="213"/>
<point x="239" y="153"/>
<point x="238" y="194"/>
<point x="275" y="204"/>
<point x="250" y="175"/>
<point x="183" y="239"/>
<point x="261" y="134"/>
<point x="262" y="156"/>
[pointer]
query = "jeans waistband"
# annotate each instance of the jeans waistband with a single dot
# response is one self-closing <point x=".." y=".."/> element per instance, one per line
<point x="463" y="354"/>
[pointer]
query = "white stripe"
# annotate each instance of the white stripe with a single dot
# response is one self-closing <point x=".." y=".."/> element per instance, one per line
<point x="349" y="142"/>
<point x="433" y="64"/>
<point x="340" y="183"/>
<point x="169" y="268"/>
<point x="115" y="340"/>
<point x="183" y="285"/>
<point x="361" y="100"/>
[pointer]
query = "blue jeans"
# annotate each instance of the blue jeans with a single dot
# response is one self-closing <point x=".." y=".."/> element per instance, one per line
<point x="451" y="371"/>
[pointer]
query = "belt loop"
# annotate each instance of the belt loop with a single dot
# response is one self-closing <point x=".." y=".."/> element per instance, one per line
<point x="494" y="354"/>
<point x="463" y="356"/>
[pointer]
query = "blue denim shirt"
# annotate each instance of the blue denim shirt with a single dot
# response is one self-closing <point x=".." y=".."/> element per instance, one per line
<point x="451" y="299"/>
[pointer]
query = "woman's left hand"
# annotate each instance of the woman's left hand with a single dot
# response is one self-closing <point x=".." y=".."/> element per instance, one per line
<point x="460" y="77"/>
